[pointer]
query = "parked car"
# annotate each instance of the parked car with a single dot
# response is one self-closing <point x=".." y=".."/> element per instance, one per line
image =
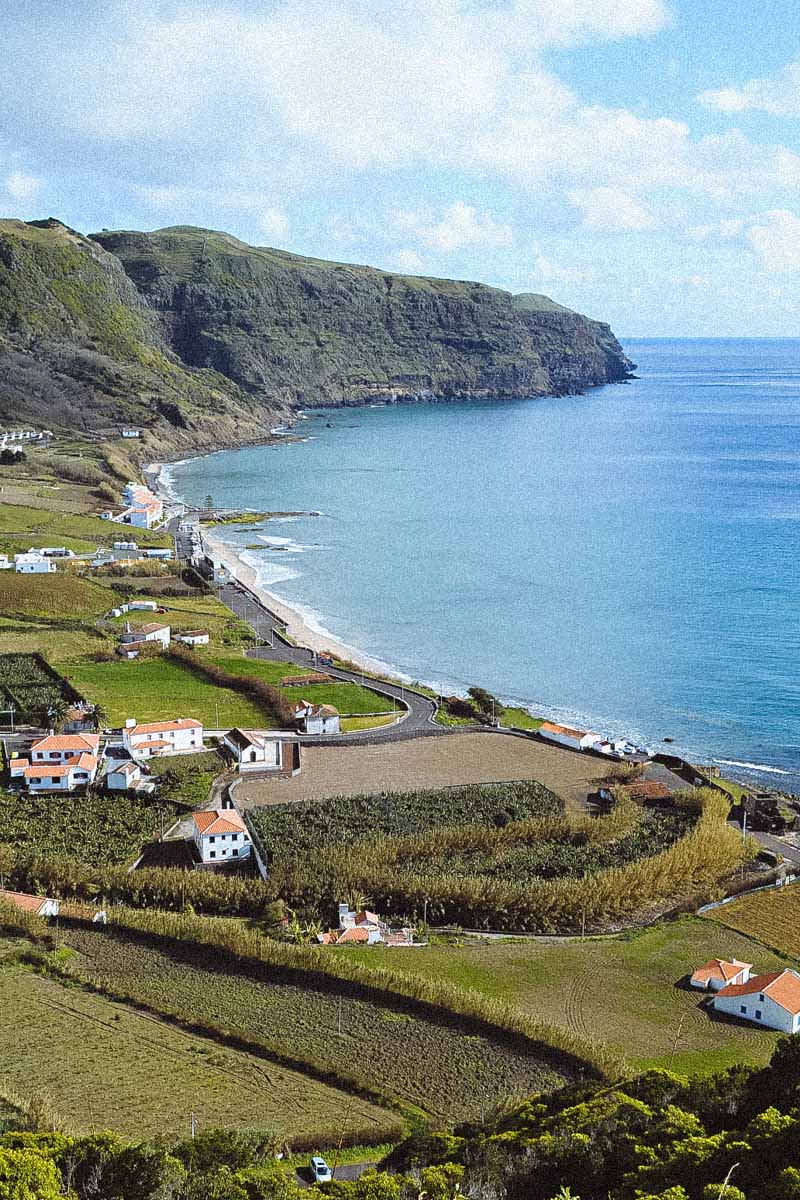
<point x="320" y="1170"/>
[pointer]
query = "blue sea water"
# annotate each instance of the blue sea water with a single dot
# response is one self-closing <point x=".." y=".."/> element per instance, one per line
<point x="626" y="559"/>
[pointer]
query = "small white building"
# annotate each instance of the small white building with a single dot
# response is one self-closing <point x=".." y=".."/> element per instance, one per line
<point x="142" y="606"/>
<point x="125" y="546"/>
<point x="719" y="973"/>
<point x="194" y="637"/>
<point x="51" y="551"/>
<point x="220" y="835"/>
<point x="151" y="631"/>
<point x="366" y="928"/>
<point x="181" y="736"/>
<point x="33" y="564"/>
<point x="131" y="433"/>
<point x="254" y="750"/>
<point x="161" y="553"/>
<point x="61" y="747"/>
<point x="564" y="735"/>
<point x="122" y="776"/>
<point x="771" y="1000"/>
<point x="5" y="563"/>
<point x="316" y="718"/>
<point x="40" y="906"/>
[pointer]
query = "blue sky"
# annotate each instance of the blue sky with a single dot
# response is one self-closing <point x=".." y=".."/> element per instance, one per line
<point x="638" y="160"/>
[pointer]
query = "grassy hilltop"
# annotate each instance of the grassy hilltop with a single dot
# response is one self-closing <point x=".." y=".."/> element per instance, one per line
<point x="202" y="340"/>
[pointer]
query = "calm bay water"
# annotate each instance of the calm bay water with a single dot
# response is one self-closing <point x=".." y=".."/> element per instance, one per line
<point x="627" y="559"/>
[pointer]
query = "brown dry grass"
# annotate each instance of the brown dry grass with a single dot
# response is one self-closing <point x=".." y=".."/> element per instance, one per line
<point x="429" y="763"/>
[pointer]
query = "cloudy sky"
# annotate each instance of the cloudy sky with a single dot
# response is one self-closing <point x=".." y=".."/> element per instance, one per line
<point x="636" y="159"/>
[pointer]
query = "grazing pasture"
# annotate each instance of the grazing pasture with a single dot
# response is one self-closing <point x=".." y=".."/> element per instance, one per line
<point x="103" y="1065"/>
<point x="428" y="1061"/>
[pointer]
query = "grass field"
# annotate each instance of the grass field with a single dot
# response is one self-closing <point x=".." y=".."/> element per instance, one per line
<point x="773" y="917"/>
<point x="431" y="1063"/>
<point x="620" y="991"/>
<point x="193" y="775"/>
<point x="356" y="724"/>
<point x="158" y="689"/>
<point x="351" y="699"/>
<point x="103" y="1065"/>
<point x="22" y="526"/>
<point x="59" y="595"/>
<point x="190" y="612"/>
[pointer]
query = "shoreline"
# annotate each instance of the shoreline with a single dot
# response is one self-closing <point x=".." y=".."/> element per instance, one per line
<point x="304" y="629"/>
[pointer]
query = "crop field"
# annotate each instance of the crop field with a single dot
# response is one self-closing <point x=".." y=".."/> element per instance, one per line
<point x="293" y="828"/>
<point x="622" y="991"/>
<point x="187" y="777"/>
<point x="27" y="683"/>
<point x="99" y="828"/>
<point x="432" y="763"/>
<point x="59" y="646"/>
<point x="104" y="1065"/>
<point x="429" y="1062"/>
<point x="157" y="689"/>
<point x="773" y="917"/>
<point x="351" y="699"/>
<point x="61" y="595"/>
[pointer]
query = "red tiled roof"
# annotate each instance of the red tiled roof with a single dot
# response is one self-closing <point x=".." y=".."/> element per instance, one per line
<point x="551" y="727"/>
<point x="76" y="742"/>
<point x="781" y="986"/>
<point x="353" y="935"/>
<point x="219" y="820"/>
<point x="719" y="968"/>
<point x="166" y="726"/>
<point x="24" y="901"/>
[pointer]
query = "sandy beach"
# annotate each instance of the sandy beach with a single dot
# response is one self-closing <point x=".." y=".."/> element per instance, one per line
<point x="297" y="626"/>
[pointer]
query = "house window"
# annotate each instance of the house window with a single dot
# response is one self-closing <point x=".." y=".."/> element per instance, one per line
<point x="761" y="997"/>
<point x="743" y="1008"/>
<point x="212" y="854"/>
<point x="235" y="852"/>
<point x="758" y="1014"/>
<point x="234" y="837"/>
<point x="212" y="838"/>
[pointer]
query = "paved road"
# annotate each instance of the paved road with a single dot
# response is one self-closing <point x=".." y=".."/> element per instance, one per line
<point x="421" y="710"/>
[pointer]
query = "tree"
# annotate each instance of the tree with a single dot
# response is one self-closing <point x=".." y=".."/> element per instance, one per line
<point x="99" y="715"/>
<point x="26" y="1175"/>
<point x="57" y="712"/>
<point x="486" y="704"/>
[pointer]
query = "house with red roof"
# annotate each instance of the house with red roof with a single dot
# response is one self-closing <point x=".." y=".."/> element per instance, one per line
<point x="58" y="763"/>
<point x="316" y="718"/>
<point x="771" y="1000"/>
<point x="565" y="735"/>
<point x="40" y="906"/>
<point x="719" y="972"/>
<point x="365" y="928"/>
<point x="184" y="735"/>
<point x="220" y="836"/>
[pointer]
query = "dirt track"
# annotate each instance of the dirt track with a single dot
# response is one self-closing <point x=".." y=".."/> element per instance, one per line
<point x="428" y="762"/>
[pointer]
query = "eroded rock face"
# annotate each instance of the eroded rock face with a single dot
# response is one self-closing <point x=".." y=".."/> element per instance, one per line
<point x="309" y="332"/>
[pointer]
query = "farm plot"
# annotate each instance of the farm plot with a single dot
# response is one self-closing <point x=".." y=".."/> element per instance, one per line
<point x="351" y="699"/>
<point x="60" y="596"/>
<point x="628" y="993"/>
<point x="773" y="917"/>
<point x="104" y="1065"/>
<point x="29" y="684"/>
<point x="431" y="1063"/>
<point x="94" y="828"/>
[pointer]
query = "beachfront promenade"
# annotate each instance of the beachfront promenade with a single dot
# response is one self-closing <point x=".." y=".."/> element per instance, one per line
<point x="421" y="710"/>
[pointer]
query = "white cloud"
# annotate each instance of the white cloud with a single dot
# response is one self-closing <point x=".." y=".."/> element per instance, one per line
<point x="408" y="262"/>
<point x="778" y="95"/>
<point x="460" y="225"/>
<point x="776" y="239"/>
<point x="550" y="272"/>
<point x="23" y="187"/>
<point x="275" y="225"/>
<point x="610" y="209"/>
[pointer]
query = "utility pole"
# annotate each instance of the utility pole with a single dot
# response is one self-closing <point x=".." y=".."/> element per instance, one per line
<point x="339" y="1020"/>
<point x="194" y="1125"/>
<point x="726" y="1181"/>
<point x="671" y="1058"/>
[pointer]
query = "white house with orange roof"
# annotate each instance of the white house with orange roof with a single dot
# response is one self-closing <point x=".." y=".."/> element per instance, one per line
<point x="181" y="736"/>
<point x="316" y="718"/>
<point x="58" y="763"/>
<point x="565" y="735"/>
<point x="365" y="928"/>
<point x="220" y="835"/>
<point x="772" y="1000"/>
<point x="717" y="973"/>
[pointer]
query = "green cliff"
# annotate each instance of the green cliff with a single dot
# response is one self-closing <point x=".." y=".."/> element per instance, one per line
<point x="203" y="340"/>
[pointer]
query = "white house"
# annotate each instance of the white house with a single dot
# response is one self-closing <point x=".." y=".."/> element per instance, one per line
<point x="316" y="718"/>
<point x="576" y="739"/>
<point x="61" y="747"/>
<point x="194" y="637"/>
<point x="40" y="906"/>
<point x="719" y="973"/>
<point x="130" y="433"/>
<point x="125" y="546"/>
<point x="162" y="553"/>
<point x="364" y="927"/>
<point x="5" y="563"/>
<point x="151" y="631"/>
<point x="220" y="835"/>
<point x="142" y="606"/>
<point x="52" y="551"/>
<point x="182" y="736"/>
<point x="256" y="751"/>
<point x="772" y="1000"/>
<point x="55" y="771"/>
<point x="33" y="564"/>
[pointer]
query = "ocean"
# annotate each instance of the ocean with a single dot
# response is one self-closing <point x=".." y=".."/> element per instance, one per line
<point x="626" y="560"/>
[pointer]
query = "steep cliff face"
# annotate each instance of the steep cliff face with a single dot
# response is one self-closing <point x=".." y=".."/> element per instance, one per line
<point x="201" y="340"/>
<point x="308" y="332"/>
